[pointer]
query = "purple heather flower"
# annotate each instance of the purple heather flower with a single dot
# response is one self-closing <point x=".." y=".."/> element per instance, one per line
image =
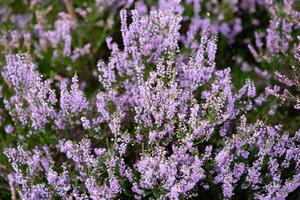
<point x="9" y="128"/>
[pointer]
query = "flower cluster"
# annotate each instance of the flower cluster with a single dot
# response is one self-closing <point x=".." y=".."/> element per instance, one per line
<point x="166" y="119"/>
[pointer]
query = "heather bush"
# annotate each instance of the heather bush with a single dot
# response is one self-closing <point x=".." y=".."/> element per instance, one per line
<point x="166" y="99"/>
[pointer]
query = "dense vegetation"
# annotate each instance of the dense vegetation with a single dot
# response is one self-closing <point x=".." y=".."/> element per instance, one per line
<point x="150" y="99"/>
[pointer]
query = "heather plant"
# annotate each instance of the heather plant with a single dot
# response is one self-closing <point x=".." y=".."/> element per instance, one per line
<point x="132" y="100"/>
<point x="276" y="52"/>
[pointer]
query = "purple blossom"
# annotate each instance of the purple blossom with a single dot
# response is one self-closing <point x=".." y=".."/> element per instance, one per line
<point x="165" y="120"/>
<point x="9" y="129"/>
